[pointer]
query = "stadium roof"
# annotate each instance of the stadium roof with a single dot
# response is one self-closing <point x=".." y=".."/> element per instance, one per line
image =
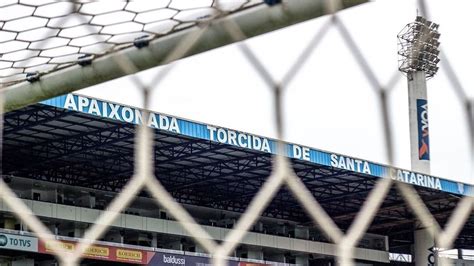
<point x="87" y="142"/>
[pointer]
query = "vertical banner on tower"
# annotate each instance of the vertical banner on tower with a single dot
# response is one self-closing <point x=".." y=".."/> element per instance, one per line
<point x="423" y="131"/>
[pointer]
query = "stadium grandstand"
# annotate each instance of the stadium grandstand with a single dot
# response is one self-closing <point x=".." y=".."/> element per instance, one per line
<point x="88" y="181"/>
<point x="68" y="156"/>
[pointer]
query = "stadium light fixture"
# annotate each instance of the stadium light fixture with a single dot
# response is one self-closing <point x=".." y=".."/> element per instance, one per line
<point x="418" y="47"/>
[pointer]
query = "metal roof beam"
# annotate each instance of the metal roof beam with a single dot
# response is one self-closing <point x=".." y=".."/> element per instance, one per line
<point x="399" y="205"/>
<point x="11" y="128"/>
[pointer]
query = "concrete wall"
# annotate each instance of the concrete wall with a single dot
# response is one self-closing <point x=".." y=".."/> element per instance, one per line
<point x="85" y="215"/>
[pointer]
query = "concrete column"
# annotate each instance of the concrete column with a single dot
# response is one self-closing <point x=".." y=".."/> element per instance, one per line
<point x="5" y="262"/>
<point x="78" y="232"/>
<point x="154" y="240"/>
<point x="280" y="257"/>
<point x="418" y="115"/>
<point x="425" y="253"/>
<point x="301" y="232"/>
<point x="24" y="227"/>
<point x="23" y="262"/>
<point x="87" y="200"/>
<point x="9" y="223"/>
<point x="176" y="245"/>
<point x="92" y="200"/>
<point x="200" y="249"/>
<point x="47" y="263"/>
<point x="54" y="229"/>
<point x="259" y="226"/>
<point x="302" y="259"/>
<point x="255" y="253"/>
<point x="113" y="236"/>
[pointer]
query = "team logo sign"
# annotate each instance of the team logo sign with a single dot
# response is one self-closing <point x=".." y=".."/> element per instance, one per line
<point x="3" y="240"/>
<point x="18" y="242"/>
<point x="423" y="132"/>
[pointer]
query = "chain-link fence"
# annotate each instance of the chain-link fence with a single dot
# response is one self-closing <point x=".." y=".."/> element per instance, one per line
<point x="42" y="37"/>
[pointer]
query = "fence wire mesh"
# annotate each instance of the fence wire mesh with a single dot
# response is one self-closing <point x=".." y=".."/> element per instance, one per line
<point x="38" y="37"/>
<point x="44" y="36"/>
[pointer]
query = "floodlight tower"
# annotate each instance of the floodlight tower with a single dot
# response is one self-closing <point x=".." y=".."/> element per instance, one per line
<point x="418" y="51"/>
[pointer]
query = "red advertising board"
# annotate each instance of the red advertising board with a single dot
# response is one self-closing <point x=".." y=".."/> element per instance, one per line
<point x="101" y="252"/>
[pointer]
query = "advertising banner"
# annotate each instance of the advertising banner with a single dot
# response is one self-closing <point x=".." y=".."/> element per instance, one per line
<point x="18" y="242"/>
<point x="101" y="252"/>
<point x="423" y="130"/>
<point x="239" y="139"/>
<point x="171" y="259"/>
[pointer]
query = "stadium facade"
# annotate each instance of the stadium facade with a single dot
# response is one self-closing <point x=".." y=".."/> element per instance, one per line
<point x="69" y="156"/>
